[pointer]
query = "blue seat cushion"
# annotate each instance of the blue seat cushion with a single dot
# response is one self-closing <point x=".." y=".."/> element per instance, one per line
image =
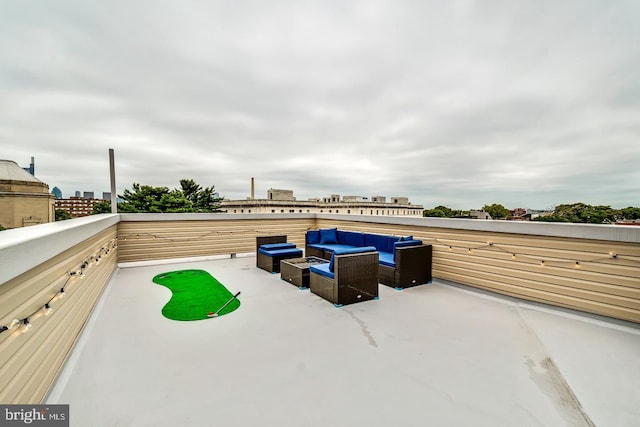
<point x="270" y="246"/>
<point x="293" y="252"/>
<point x="407" y="243"/>
<point x="328" y="235"/>
<point x="333" y="247"/>
<point x="313" y="236"/>
<point x="386" y="258"/>
<point x="316" y="246"/>
<point x="322" y="269"/>
<point x="347" y="251"/>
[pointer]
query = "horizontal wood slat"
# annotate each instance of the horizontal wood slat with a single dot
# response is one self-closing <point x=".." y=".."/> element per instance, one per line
<point x="30" y="361"/>
<point x="153" y="240"/>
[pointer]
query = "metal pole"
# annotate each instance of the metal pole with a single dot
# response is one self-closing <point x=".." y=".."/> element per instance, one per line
<point x="112" y="172"/>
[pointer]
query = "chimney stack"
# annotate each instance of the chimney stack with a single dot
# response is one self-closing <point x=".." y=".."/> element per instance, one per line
<point x="253" y="194"/>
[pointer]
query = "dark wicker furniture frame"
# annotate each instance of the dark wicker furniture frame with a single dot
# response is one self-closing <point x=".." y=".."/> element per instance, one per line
<point x="270" y="264"/>
<point x="296" y="270"/>
<point x="413" y="267"/>
<point x="320" y="253"/>
<point x="355" y="279"/>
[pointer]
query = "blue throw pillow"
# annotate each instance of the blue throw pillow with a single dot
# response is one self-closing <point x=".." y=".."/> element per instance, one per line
<point x="328" y="235"/>
<point x="313" y="236"/>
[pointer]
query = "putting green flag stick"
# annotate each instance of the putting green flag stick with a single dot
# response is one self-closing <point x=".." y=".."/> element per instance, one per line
<point x="225" y="304"/>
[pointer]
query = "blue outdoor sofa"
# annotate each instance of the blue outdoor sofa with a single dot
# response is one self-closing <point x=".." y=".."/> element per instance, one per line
<point x="404" y="261"/>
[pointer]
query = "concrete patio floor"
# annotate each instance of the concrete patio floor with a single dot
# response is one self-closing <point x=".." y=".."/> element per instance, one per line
<point x="438" y="354"/>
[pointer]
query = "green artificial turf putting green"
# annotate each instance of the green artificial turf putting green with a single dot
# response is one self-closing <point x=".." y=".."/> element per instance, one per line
<point x="195" y="294"/>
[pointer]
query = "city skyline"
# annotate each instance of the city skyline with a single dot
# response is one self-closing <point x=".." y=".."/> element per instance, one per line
<point x="528" y="104"/>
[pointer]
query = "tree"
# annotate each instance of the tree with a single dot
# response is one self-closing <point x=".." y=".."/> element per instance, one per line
<point x="191" y="197"/>
<point x="629" y="213"/>
<point x="2" y="228"/>
<point x="438" y="211"/>
<point x="444" y="212"/>
<point x="202" y="199"/>
<point x="496" y="211"/>
<point x="584" y="213"/>
<point x="550" y="218"/>
<point x="61" y="215"/>
<point x="101" y="207"/>
<point x="145" y="198"/>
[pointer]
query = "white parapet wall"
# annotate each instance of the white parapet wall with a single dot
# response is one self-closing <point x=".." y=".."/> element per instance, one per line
<point x="51" y="277"/>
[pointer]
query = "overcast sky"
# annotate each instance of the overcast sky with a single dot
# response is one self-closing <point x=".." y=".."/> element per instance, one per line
<point x="456" y="103"/>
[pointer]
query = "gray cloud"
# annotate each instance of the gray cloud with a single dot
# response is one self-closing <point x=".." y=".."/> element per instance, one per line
<point x="461" y="103"/>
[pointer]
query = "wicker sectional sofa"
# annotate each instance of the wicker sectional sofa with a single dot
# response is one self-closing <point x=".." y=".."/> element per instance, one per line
<point x="404" y="261"/>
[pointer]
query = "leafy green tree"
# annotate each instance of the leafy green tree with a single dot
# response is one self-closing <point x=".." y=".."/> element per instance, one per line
<point x="61" y="215"/>
<point x="629" y="213"/>
<point x="191" y="197"/>
<point x="444" y="212"/>
<point x="101" y="207"/>
<point x="2" y="228"/>
<point x="496" y="211"/>
<point x="202" y="199"/>
<point x="145" y="198"/>
<point x="438" y="211"/>
<point x="584" y="213"/>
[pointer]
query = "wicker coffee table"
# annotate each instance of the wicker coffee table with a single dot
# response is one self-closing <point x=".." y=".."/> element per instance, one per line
<point x="296" y="270"/>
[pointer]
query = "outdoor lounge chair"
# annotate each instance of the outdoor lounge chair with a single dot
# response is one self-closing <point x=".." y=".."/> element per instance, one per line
<point x="270" y="250"/>
<point x="351" y="276"/>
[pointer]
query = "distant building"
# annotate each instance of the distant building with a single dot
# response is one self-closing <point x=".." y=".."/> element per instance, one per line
<point x="519" y="214"/>
<point x="88" y="195"/>
<point x="106" y="195"/>
<point x="32" y="167"/>
<point x="479" y="215"/>
<point x="400" y="200"/>
<point x="57" y="193"/>
<point x="354" y="199"/>
<point x="78" y="194"/>
<point x="24" y="199"/>
<point x="282" y="201"/>
<point x="76" y="206"/>
<point x="334" y="198"/>
<point x="274" y="194"/>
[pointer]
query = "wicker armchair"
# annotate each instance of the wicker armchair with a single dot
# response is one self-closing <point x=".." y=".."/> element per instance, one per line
<point x="355" y="278"/>
<point x="412" y="267"/>
<point x="271" y="261"/>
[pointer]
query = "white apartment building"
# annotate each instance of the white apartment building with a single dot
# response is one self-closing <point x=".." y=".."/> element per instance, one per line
<point x="282" y="201"/>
